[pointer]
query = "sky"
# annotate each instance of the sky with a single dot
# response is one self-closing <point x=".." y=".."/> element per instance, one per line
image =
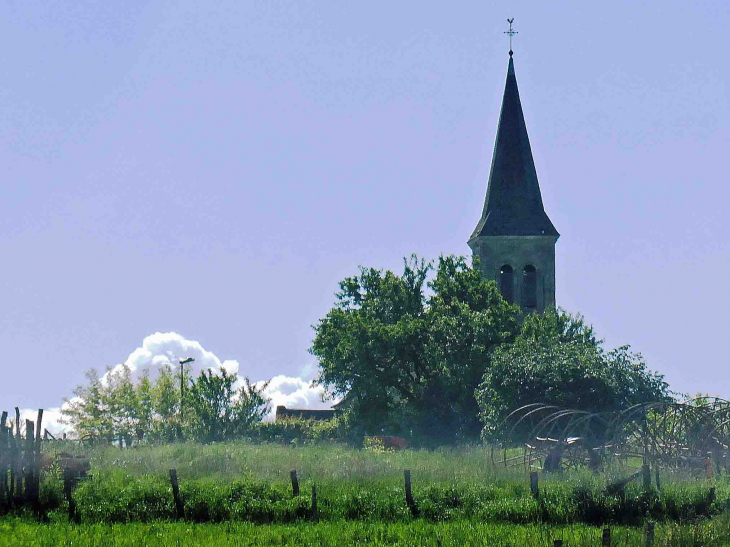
<point x="197" y="177"/>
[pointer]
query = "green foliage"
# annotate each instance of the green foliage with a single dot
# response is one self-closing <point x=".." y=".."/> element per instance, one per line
<point x="117" y="410"/>
<point x="105" y="410"/>
<point x="119" y="497"/>
<point x="404" y="357"/>
<point x="374" y="444"/>
<point x="219" y="410"/>
<point x="26" y="533"/>
<point x="557" y="360"/>
<point x="250" y="482"/>
<point x="298" y="431"/>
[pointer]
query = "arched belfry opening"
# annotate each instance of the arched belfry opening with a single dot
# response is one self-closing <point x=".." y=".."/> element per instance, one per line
<point x="529" y="287"/>
<point x="514" y="230"/>
<point x="507" y="283"/>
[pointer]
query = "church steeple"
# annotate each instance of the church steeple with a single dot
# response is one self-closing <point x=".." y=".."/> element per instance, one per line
<point x="513" y="205"/>
<point x="514" y="238"/>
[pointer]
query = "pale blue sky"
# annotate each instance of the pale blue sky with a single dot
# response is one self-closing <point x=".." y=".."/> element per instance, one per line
<point x="214" y="168"/>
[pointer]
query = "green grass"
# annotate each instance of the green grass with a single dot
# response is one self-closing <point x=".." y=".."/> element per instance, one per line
<point x="20" y="533"/>
<point x="250" y="483"/>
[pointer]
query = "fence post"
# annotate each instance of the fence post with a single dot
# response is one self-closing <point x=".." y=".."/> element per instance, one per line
<point x="534" y="488"/>
<point x="606" y="539"/>
<point x="711" y="497"/>
<point x="28" y="460"/>
<point x="4" y="452"/>
<point x="12" y="446"/>
<point x="37" y="459"/>
<point x="649" y="534"/>
<point x="19" y="454"/>
<point x="409" y="494"/>
<point x="658" y="482"/>
<point x="69" y="480"/>
<point x="294" y="483"/>
<point x="314" y="501"/>
<point x="179" y="507"/>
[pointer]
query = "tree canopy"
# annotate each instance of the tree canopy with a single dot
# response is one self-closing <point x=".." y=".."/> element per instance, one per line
<point x="215" y="406"/>
<point x="556" y="359"/>
<point x="409" y="361"/>
<point x="438" y="355"/>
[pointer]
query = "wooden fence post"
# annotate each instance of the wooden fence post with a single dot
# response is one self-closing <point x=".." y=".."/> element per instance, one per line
<point x="28" y="460"/>
<point x="294" y="483"/>
<point x="4" y="455"/>
<point x="179" y="506"/>
<point x="19" y="454"/>
<point x="409" y="494"/>
<point x="658" y="482"/>
<point x="69" y="480"/>
<point x="13" y="449"/>
<point x="711" y="496"/>
<point x="314" y="501"/>
<point x="606" y="539"/>
<point x="37" y="459"/>
<point x="534" y="488"/>
<point x="649" y="534"/>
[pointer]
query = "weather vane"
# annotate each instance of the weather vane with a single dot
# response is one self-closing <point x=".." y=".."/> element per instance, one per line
<point x="511" y="33"/>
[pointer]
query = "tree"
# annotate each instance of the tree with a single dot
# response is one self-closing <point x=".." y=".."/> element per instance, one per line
<point x="219" y="410"/>
<point x="557" y="360"/>
<point x="409" y="362"/>
<point x="107" y="409"/>
<point x="87" y="412"/>
<point x="166" y="405"/>
<point x="113" y="408"/>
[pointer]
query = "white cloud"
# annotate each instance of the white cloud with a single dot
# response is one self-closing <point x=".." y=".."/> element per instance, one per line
<point x="167" y="348"/>
<point x="51" y="417"/>
<point x="294" y="393"/>
<point x="163" y="348"/>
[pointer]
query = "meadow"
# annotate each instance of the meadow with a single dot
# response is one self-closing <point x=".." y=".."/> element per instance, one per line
<point x="231" y="489"/>
<point x="19" y="533"/>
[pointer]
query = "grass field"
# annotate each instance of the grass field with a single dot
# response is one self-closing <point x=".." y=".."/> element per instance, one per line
<point x="240" y="494"/>
<point x="250" y="482"/>
<point x="17" y="533"/>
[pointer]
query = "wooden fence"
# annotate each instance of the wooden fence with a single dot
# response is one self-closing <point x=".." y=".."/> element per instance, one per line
<point x="20" y="461"/>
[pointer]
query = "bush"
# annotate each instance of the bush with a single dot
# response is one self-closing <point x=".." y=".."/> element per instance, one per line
<point x="298" y="431"/>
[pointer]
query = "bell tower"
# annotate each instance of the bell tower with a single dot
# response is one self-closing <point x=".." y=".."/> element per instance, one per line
<point x="514" y="238"/>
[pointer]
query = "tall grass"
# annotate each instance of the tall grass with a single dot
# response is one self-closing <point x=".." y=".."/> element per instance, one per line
<point x="18" y="533"/>
<point x="250" y="482"/>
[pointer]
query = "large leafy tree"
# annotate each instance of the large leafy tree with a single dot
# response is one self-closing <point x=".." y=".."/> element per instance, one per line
<point x="409" y="352"/>
<point x="557" y="360"/>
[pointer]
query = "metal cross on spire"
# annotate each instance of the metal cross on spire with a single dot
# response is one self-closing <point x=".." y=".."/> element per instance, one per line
<point x="511" y="33"/>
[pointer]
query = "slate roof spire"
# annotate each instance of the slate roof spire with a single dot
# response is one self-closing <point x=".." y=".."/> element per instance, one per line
<point x="513" y="206"/>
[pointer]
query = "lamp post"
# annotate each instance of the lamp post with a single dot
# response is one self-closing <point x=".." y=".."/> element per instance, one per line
<point x="183" y="362"/>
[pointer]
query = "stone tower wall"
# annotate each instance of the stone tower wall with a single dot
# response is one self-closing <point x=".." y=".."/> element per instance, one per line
<point x="518" y="252"/>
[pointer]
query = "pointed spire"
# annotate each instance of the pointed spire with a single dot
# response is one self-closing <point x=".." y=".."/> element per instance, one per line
<point x="513" y="206"/>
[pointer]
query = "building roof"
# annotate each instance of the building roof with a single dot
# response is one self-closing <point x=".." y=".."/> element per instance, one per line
<point x="513" y="206"/>
<point x="304" y="413"/>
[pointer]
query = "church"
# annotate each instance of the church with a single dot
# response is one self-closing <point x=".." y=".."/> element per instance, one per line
<point x="514" y="238"/>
